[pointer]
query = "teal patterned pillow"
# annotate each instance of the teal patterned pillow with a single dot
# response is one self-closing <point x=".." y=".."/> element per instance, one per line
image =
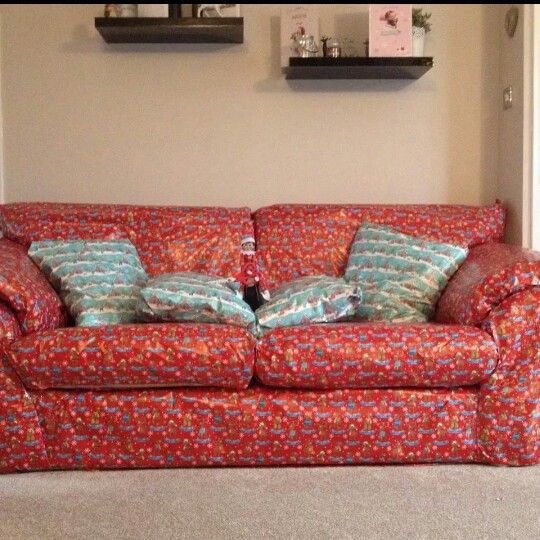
<point x="308" y="300"/>
<point x="99" y="281"/>
<point x="192" y="297"/>
<point x="401" y="276"/>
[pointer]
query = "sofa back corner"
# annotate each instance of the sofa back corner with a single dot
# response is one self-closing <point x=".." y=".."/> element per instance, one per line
<point x="167" y="238"/>
<point x="298" y="240"/>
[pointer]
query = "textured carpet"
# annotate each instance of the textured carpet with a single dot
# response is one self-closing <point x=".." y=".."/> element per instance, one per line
<point x="431" y="502"/>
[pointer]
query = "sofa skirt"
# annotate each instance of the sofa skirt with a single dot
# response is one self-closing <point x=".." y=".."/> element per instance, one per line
<point x="255" y="427"/>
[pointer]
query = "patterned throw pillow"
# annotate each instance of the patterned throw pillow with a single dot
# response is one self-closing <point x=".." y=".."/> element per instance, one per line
<point x="401" y="276"/>
<point x="309" y="300"/>
<point x="99" y="281"/>
<point x="192" y="297"/>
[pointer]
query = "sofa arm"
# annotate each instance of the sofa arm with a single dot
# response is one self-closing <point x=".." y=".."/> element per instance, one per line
<point x="9" y="326"/>
<point x="508" y="410"/>
<point x="491" y="273"/>
<point x="22" y="446"/>
<point x="26" y="290"/>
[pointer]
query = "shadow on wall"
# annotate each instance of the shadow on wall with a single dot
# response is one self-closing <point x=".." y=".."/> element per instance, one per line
<point x="486" y="73"/>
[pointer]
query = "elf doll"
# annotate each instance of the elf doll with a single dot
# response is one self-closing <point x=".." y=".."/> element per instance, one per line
<point x="253" y="288"/>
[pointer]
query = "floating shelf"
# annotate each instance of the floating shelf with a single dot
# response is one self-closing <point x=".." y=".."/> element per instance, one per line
<point x="168" y="30"/>
<point x="358" y="67"/>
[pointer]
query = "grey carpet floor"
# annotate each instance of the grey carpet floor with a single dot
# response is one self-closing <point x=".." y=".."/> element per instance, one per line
<point x="431" y="502"/>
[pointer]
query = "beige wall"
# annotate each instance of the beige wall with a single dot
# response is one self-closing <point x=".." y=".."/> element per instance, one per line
<point x="84" y="121"/>
<point x="511" y="134"/>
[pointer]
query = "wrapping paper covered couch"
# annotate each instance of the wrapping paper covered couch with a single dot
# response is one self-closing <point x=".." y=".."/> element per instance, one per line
<point x="464" y="388"/>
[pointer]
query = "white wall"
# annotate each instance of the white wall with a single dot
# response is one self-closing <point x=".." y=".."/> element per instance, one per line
<point x="86" y="121"/>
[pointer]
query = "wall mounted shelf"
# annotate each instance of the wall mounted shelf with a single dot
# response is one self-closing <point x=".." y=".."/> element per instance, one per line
<point x="169" y="30"/>
<point x="358" y="67"/>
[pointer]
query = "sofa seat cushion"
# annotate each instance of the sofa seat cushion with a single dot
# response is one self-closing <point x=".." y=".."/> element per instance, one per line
<point x="132" y="356"/>
<point x="375" y="355"/>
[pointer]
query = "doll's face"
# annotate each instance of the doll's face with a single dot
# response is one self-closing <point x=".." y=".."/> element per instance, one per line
<point x="248" y="246"/>
<point x="391" y="18"/>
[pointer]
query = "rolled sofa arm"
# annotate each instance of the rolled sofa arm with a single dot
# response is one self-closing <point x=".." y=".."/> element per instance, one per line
<point x="491" y="273"/>
<point x="9" y="326"/>
<point x="21" y="442"/>
<point x="509" y="402"/>
<point x="498" y="288"/>
<point x="27" y="292"/>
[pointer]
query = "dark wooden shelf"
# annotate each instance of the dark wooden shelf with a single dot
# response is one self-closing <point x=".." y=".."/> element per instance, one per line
<point x="167" y="30"/>
<point x="358" y="67"/>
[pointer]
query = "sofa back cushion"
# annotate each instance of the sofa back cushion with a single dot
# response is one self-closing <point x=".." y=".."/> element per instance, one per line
<point x="302" y="240"/>
<point x="167" y="238"/>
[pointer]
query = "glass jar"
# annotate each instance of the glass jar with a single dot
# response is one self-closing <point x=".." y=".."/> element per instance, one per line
<point x="333" y="48"/>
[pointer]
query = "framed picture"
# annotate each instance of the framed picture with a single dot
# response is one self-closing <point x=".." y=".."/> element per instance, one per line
<point x="297" y="20"/>
<point x="215" y="10"/>
<point x="390" y="29"/>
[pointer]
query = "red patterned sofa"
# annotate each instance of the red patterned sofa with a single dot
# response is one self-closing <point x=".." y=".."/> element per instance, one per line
<point x="464" y="388"/>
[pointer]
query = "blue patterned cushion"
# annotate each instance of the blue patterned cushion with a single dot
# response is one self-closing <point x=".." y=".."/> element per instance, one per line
<point x="192" y="297"/>
<point x="99" y="281"/>
<point x="401" y="276"/>
<point x="308" y="300"/>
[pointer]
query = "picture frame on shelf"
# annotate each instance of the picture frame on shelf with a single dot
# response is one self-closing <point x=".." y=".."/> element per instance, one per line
<point x="299" y="22"/>
<point x="390" y="30"/>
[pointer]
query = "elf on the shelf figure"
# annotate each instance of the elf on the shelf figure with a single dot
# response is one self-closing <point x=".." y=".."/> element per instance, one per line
<point x="253" y="288"/>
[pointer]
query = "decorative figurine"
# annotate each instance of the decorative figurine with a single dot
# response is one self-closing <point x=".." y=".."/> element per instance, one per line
<point x="304" y="46"/>
<point x="253" y="288"/>
<point x="216" y="10"/>
<point x="324" y="41"/>
<point x="112" y="10"/>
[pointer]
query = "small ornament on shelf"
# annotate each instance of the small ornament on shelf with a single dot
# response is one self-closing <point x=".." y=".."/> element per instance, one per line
<point x="216" y="10"/>
<point x="338" y="47"/>
<point x="324" y="41"/>
<point x="333" y="48"/>
<point x="305" y="46"/>
<point x="421" y="26"/>
<point x="111" y="10"/>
